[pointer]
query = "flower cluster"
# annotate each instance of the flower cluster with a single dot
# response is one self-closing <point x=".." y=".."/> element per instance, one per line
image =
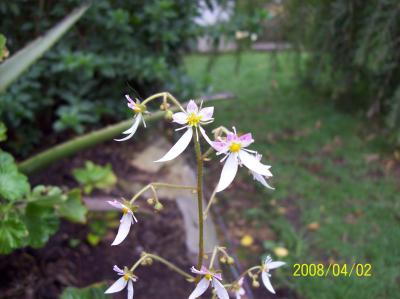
<point x="234" y="149"/>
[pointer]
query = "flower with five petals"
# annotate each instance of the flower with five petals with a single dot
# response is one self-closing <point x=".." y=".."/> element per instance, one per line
<point x="127" y="279"/>
<point x="192" y="119"/>
<point x="269" y="265"/>
<point x="128" y="218"/>
<point x="139" y="110"/>
<point x="209" y="277"/>
<point x="236" y="153"/>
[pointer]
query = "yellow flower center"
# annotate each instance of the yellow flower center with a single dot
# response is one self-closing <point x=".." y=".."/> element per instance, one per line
<point x="139" y="108"/>
<point x="126" y="276"/>
<point x="208" y="276"/>
<point x="235" y="147"/>
<point x="193" y="119"/>
<point x="125" y="210"/>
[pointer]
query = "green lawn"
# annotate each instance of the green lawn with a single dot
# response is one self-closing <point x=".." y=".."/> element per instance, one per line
<point x="321" y="160"/>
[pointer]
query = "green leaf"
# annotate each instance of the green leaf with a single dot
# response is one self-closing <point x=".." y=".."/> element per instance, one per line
<point x="48" y="196"/>
<point x="13" y="234"/>
<point x="42" y="222"/>
<point x="95" y="291"/>
<point x="3" y="131"/>
<point x="95" y="176"/>
<point x="13" y="185"/>
<point x="73" y="208"/>
<point x="13" y="67"/>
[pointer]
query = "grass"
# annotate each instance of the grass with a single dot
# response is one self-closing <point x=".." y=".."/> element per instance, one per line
<point x="321" y="159"/>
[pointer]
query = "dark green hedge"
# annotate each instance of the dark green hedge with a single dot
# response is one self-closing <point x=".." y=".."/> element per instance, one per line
<point x="354" y="53"/>
<point x="117" y="47"/>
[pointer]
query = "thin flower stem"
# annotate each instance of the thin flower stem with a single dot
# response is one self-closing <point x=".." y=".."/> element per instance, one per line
<point x="210" y="202"/>
<point x="163" y="261"/>
<point x="247" y="271"/>
<point x="214" y="254"/>
<point x="153" y="187"/>
<point x="170" y="265"/>
<point x="208" y="152"/>
<point x="199" y="200"/>
<point x="164" y="95"/>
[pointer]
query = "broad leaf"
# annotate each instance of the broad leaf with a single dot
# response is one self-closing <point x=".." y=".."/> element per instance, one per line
<point x="13" y="234"/>
<point x="95" y="176"/>
<point x="42" y="222"/>
<point x="73" y="209"/>
<point x="3" y="131"/>
<point x="48" y="196"/>
<point x="95" y="291"/>
<point x="13" y="185"/>
<point x="13" y="67"/>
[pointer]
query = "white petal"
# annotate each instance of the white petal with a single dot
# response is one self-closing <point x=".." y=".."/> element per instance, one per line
<point x="130" y="289"/>
<point x="118" y="270"/>
<point x="206" y="113"/>
<point x="132" y="130"/>
<point x="115" y="204"/>
<point x="123" y="229"/>
<point x="274" y="265"/>
<point x="200" y="288"/>
<point x="192" y="107"/>
<point x="261" y="179"/>
<point x="203" y="132"/>
<point x="251" y="163"/>
<point x="178" y="147"/>
<point x="116" y="286"/>
<point x="180" y="118"/>
<point x="267" y="282"/>
<point x="220" y="290"/>
<point x="228" y="172"/>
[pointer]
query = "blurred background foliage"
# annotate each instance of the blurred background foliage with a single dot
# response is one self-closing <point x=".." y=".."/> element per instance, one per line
<point x="116" y="48"/>
<point x="353" y="54"/>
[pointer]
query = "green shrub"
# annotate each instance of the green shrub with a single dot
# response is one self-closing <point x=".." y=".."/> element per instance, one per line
<point x="354" y="52"/>
<point x="117" y="47"/>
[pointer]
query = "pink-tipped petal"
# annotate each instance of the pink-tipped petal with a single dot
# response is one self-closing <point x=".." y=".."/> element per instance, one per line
<point x="246" y="139"/>
<point x="200" y="288"/>
<point x="123" y="229"/>
<point x="220" y="146"/>
<point x="220" y="290"/>
<point x="253" y="164"/>
<point x="117" y="286"/>
<point x="130" y="289"/>
<point x="228" y="172"/>
<point x="218" y="276"/>
<point x="206" y="113"/>
<point x="192" y="107"/>
<point x="178" y="147"/>
<point x="180" y="118"/>
<point x="118" y="270"/>
<point x="267" y="282"/>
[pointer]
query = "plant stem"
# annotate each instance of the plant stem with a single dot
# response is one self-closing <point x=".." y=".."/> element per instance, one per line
<point x="214" y="254"/>
<point x="199" y="197"/>
<point x="153" y="186"/>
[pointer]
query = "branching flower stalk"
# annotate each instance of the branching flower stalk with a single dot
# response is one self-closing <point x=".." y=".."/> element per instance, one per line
<point x="234" y="149"/>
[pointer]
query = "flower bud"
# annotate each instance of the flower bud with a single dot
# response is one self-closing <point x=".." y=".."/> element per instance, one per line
<point x="168" y="115"/>
<point x="158" y="206"/>
<point x="223" y="259"/>
<point x="150" y="201"/>
<point x="230" y="260"/>
<point x="164" y="106"/>
<point x="255" y="284"/>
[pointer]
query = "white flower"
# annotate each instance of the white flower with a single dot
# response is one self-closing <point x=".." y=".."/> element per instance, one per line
<point x="128" y="218"/>
<point x="192" y="118"/>
<point x="238" y="289"/>
<point x="138" y="109"/>
<point x="233" y="147"/>
<point x="204" y="283"/>
<point x="269" y="265"/>
<point x="127" y="279"/>
<point x="241" y="34"/>
<point x="260" y="177"/>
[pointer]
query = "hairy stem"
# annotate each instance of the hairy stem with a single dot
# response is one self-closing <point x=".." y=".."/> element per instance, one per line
<point x="199" y="198"/>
